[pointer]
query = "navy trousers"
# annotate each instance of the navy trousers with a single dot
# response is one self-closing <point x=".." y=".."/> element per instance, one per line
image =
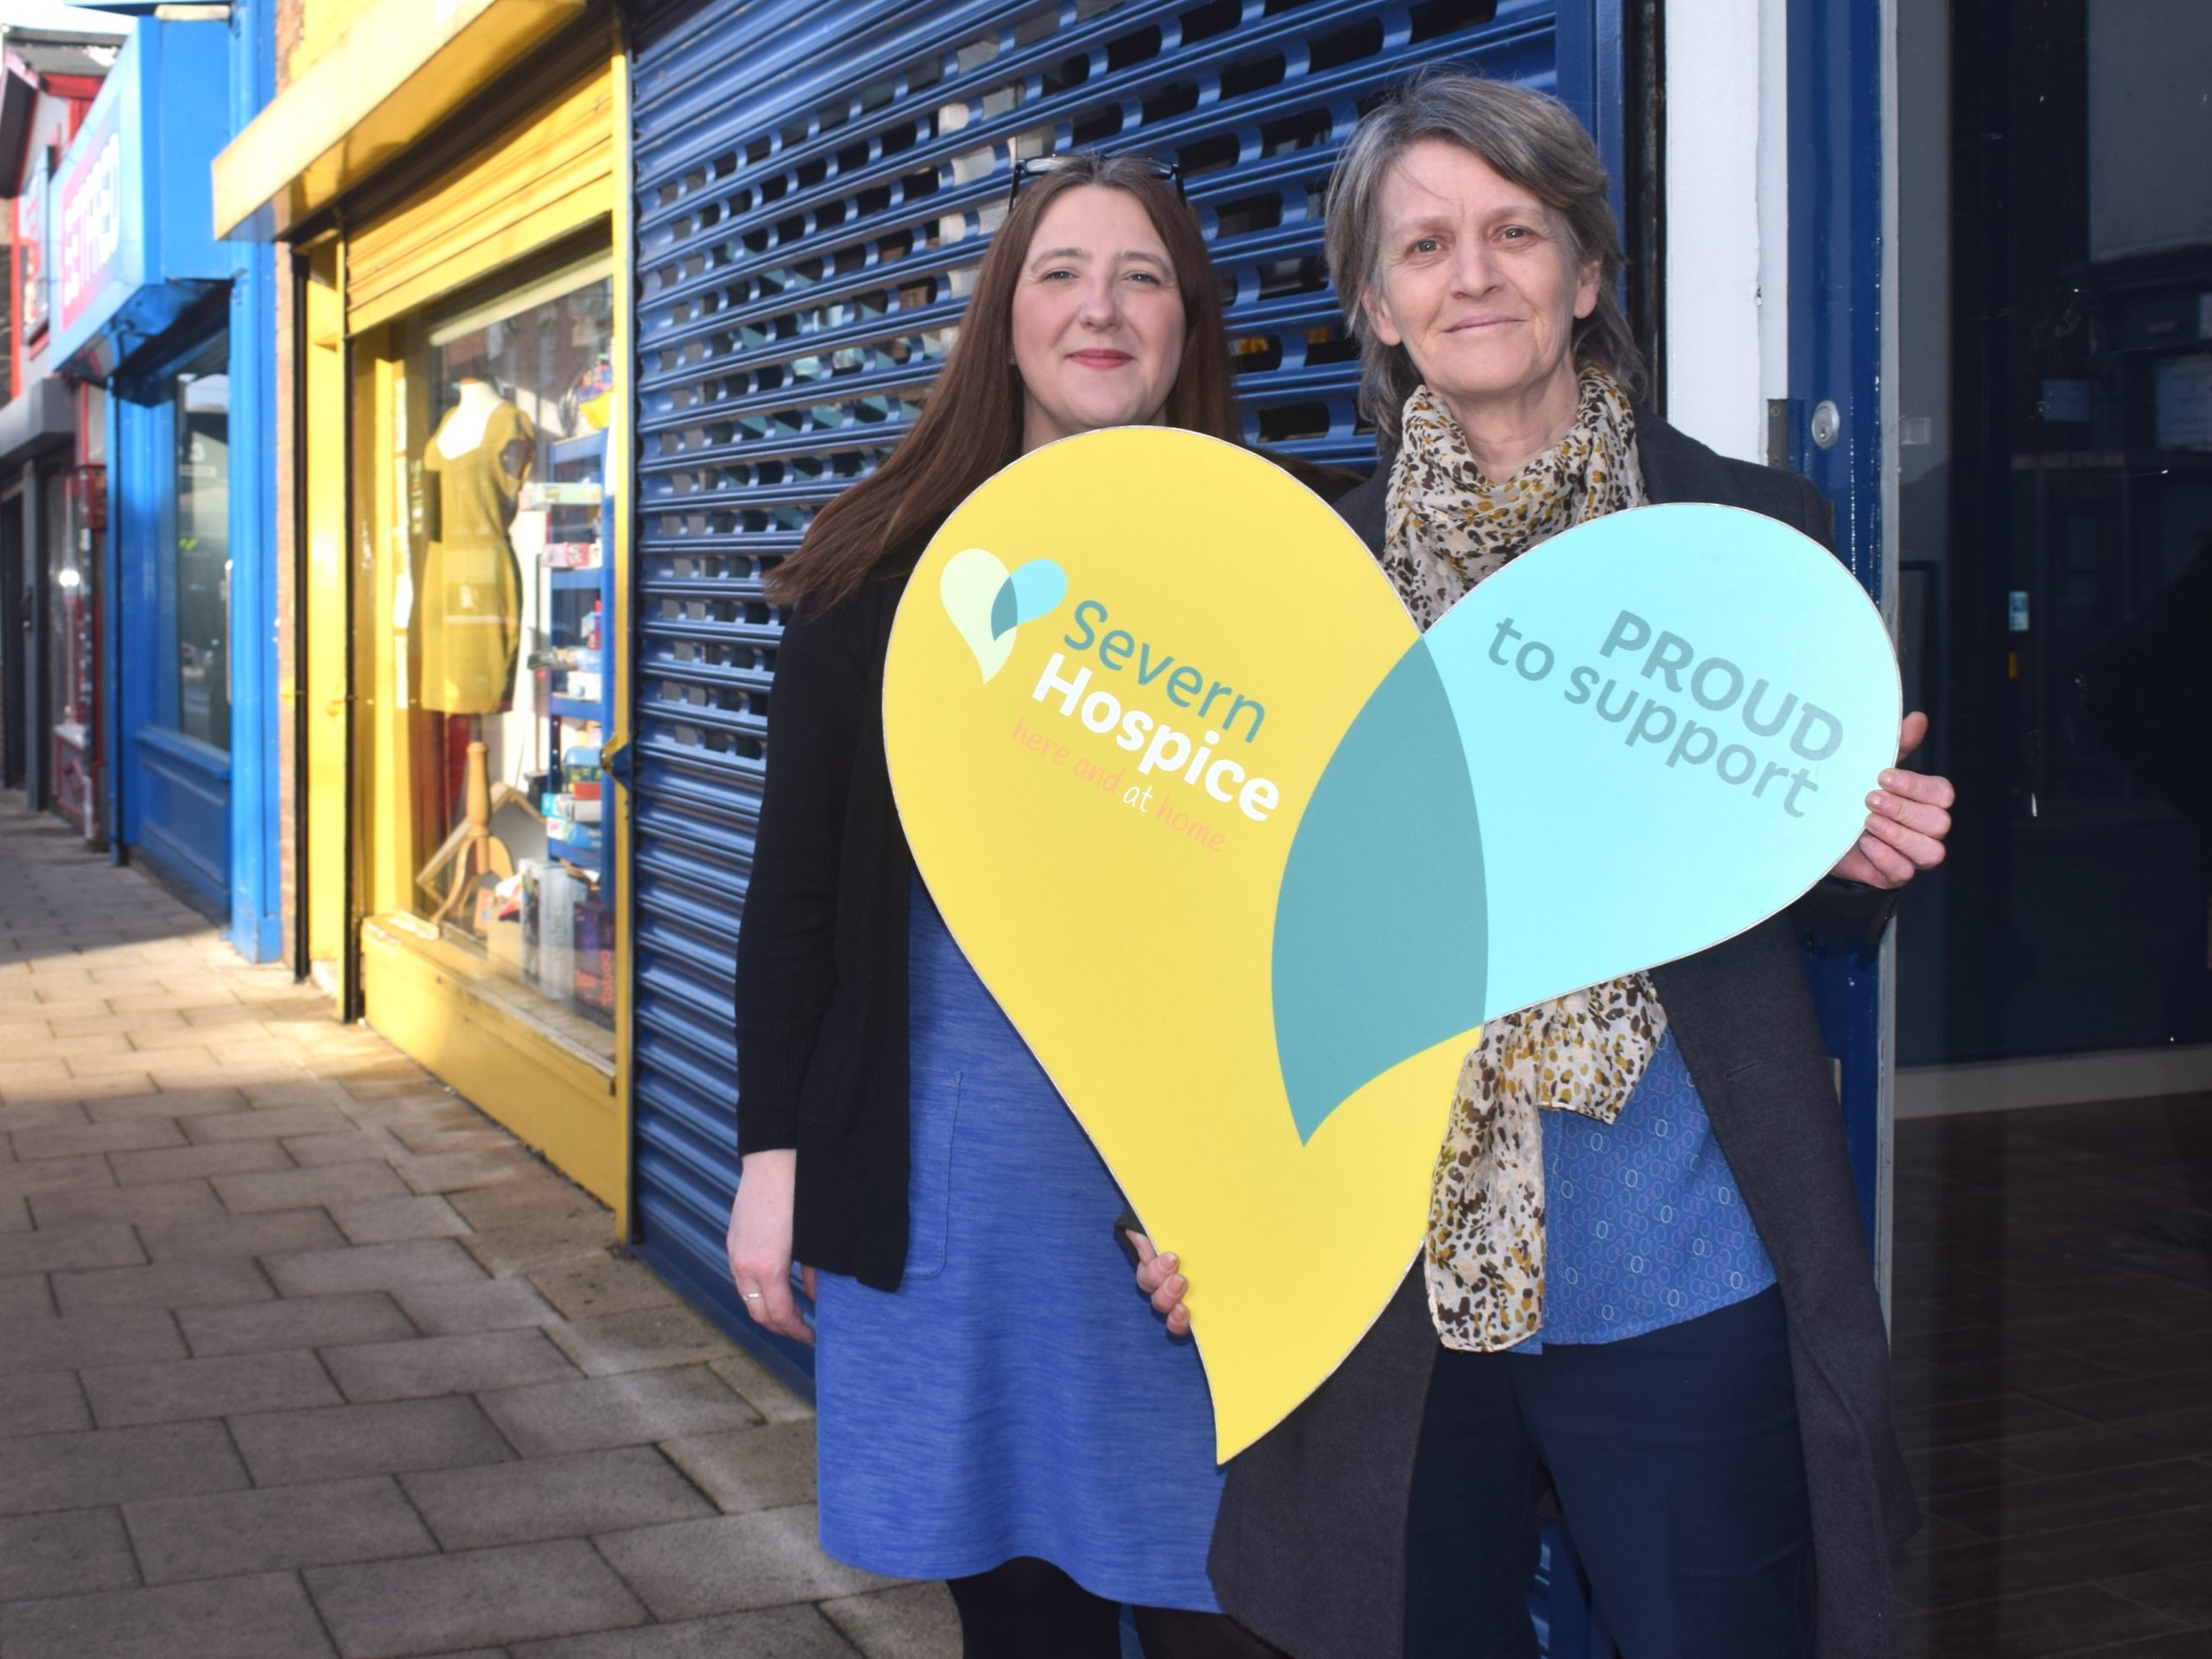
<point x="1676" y="1461"/>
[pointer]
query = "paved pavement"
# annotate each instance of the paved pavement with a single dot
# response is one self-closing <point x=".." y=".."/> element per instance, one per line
<point x="302" y="1355"/>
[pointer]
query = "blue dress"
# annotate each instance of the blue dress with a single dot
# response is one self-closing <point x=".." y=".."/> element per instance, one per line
<point x="1016" y="1394"/>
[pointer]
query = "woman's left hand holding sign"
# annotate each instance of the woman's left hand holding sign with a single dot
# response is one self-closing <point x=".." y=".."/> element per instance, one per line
<point x="1159" y="1278"/>
<point x="1907" y="818"/>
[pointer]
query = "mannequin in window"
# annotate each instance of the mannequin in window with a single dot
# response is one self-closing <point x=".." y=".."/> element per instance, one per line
<point x="470" y="602"/>
<point x="470" y="598"/>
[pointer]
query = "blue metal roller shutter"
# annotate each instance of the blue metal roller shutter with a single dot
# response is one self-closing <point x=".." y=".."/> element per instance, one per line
<point x="816" y="184"/>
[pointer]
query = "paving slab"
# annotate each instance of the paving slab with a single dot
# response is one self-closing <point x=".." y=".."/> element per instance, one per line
<point x="732" y="1562"/>
<point x="391" y="1220"/>
<point x="797" y="1632"/>
<point x="53" y="1249"/>
<point x="747" y="1469"/>
<point x="759" y="1388"/>
<point x="103" y="1336"/>
<point x="630" y="1409"/>
<point x="460" y="1171"/>
<point x="169" y="1102"/>
<point x="40" y="1473"/>
<point x="26" y="1296"/>
<point x="423" y="1366"/>
<point x="186" y="1163"/>
<point x="395" y="1109"/>
<point x="353" y="1147"/>
<point x="133" y="1135"/>
<point x="374" y="1267"/>
<point x="545" y="1497"/>
<point x="541" y="1198"/>
<point x="275" y="1530"/>
<point x="178" y="1390"/>
<point x="289" y="1447"/>
<point x="62" y="1554"/>
<point x="165" y="1284"/>
<point x="57" y="1175"/>
<point x="529" y="1247"/>
<point x="42" y="1402"/>
<point x="284" y="1232"/>
<point x="427" y="1138"/>
<point x="440" y="1603"/>
<point x="603" y="1283"/>
<point x="294" y="1322"/>
<point x="43" y="1114"/>
<point x="307" y="1189"/>
<point x="266" y="1617"/>
<point x="475" y="1305"/>
<point x="914" y="1621"/>
<point x="645" y="1340"/>
<point x="192" y="1200"/>
<point x="272" y="1123"/>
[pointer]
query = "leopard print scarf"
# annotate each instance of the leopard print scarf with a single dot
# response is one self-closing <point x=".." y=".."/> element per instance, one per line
<point x="1447" y="527"/>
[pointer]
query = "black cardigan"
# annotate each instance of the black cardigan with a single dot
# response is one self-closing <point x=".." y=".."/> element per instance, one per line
<point x="822" y="946"/>
<point x="1309" y="1549"/>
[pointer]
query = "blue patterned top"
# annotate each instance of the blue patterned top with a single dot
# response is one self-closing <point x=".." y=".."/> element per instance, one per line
<point x="1644" y="1227"/>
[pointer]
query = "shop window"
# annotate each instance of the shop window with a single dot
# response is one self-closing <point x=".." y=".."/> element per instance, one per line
<point x="202" y="658"/>
<point x="500" y="623"/>
<point x="69" y="607"/>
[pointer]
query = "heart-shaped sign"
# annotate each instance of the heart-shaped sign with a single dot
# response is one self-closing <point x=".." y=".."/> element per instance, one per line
<point x="1248" y="860"/>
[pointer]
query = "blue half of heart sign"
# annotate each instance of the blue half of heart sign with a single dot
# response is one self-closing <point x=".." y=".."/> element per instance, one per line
<point x="1632" y="743"/>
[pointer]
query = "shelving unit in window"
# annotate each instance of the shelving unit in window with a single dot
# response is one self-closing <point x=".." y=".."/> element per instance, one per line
<point x="577" y="695"/>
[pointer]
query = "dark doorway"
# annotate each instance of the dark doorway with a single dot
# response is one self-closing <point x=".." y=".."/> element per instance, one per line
<point x="18" y="681"/>
<point x="2061" y="615"/>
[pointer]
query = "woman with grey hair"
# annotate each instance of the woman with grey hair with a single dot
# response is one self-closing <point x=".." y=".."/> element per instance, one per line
<point x="1645" y="1285"/>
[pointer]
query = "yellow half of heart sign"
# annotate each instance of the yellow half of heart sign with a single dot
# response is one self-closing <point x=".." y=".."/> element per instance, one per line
<point x="1116" y="678"/>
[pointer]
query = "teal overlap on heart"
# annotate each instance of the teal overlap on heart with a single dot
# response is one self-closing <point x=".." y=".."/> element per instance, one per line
<point x="1518" y="810"/>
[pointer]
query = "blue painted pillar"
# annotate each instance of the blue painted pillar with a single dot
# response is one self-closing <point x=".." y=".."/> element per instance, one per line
<point x="107" y="787"/>
<point x="1836" y="138"/>
<point x="257" y="886"/>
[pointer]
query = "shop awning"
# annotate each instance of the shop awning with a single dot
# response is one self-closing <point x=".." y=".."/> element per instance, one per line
<point x="400" y="68"/>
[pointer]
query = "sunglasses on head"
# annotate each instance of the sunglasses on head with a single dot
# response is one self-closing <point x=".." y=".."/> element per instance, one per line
<point x="1037" y="167"/>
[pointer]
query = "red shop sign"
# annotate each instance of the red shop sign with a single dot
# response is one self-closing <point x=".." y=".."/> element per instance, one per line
<point x="90" y="231"/>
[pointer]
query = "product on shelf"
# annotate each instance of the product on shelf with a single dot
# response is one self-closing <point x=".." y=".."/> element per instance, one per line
<point x="595" y="968"/>
<point x="555" y="968"/>
<point x="580" y="493"/>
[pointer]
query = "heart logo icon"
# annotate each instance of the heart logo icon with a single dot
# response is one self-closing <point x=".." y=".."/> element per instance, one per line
<point x="1248" y="860"/>
<point x="987" y="603"/>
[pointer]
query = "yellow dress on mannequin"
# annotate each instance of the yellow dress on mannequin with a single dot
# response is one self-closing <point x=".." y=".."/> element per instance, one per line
<point x="470" y="600"/>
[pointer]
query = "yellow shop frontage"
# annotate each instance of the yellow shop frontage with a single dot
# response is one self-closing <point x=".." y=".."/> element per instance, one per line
<point x="451" y="183"/>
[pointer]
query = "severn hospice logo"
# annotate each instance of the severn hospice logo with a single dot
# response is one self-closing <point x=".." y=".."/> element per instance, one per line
<point x="987" y="603"/>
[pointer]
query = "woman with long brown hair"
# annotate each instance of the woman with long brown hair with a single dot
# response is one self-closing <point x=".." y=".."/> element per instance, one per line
<point x="996" y="1407"/>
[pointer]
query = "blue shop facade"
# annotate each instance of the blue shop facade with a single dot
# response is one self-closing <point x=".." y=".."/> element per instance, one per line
<point x="180" y="330"/>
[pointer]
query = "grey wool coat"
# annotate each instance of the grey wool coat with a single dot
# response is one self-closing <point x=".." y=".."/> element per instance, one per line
<point x="1309" y="1550"/>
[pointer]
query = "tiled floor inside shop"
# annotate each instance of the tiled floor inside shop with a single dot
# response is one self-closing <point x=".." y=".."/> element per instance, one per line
<point x="2054" y="1379"/>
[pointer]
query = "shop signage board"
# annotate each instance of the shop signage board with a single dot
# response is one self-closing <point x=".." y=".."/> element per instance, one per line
<point x="1248" y="859"/>
<point x="128" y="238"/>
<point x="90" y="227"/>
